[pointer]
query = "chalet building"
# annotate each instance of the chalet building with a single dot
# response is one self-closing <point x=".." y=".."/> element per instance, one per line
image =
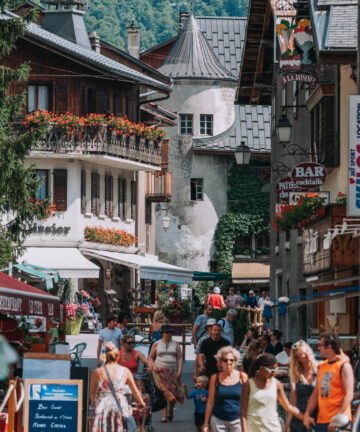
<point x="95" y="178"/>
<point x="309" y="88"/>
<point x="203" y="61"/>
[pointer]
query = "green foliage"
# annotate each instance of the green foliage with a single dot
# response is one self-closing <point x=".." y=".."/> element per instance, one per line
<point x="18" y="183"/>
<point x="157" y="19"/>
<point x="176" y="308"/>
<point x="240" y="324"/>
<point x="248" y="214"/>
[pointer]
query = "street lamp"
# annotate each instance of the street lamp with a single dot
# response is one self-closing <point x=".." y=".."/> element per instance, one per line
<point x="242" y="154"/>
<point x="283" y="129"/>
<point x="166" y="222"/>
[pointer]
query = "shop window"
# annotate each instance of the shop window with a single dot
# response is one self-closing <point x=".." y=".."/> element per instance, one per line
<point x="133" y="200"/>
<point x="60" y="189"/>
<point x="186" y="124"/>
<point x="83" y="191"/>
<point x="95" y="193"/>
<point x="109" y="195"/>
<point x="122" y="185"/>
<point x="197" y="189"/>
<point x="43" y="190"/>
<point x="38" y="98"/>
<point x="206" y="124"/>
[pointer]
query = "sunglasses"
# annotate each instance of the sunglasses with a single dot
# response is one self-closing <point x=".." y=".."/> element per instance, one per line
<point x="168" y="332"/>
<point x="296" y="345"/>
<point x="224" y="360"/>
<point x="271" y="371"/>
<point x="130" y="342"/>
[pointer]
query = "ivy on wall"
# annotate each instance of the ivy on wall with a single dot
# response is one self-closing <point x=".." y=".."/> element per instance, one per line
<point x="248" y="214"/>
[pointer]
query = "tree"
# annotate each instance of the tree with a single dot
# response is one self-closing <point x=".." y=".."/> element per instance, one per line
<point x="18" y="183"/>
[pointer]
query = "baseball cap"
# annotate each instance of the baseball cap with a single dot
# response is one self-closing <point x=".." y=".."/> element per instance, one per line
<point x="251" y="292"/>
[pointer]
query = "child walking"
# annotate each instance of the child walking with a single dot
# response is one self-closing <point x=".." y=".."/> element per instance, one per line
<point x="140" y="414"/>
<point x="200" y="397"/>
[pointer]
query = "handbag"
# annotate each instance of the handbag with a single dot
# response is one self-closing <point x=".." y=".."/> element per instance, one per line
<point x="112" y="389"/>
<point x="158" y="401"/>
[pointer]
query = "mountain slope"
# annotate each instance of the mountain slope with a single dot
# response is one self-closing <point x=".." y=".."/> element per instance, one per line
<point x="157" y="19"/>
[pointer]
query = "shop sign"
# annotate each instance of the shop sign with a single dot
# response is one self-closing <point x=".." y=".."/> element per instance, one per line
<point x="284" y="187"/>
<point x="308" y="175"/>
<point x="299" y="77"/>
<point x="353" y="201"/>
<point x="23" y="305"/>
<point x="50" y="229"/>
<point x="295" y="197"/>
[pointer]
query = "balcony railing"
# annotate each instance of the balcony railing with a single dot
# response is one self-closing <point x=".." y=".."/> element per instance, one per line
<point x="158" y="187"/>
<point x="101" y="140"/>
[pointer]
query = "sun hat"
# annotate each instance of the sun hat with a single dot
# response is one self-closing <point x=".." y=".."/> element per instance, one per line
<point x="210" y="322"/>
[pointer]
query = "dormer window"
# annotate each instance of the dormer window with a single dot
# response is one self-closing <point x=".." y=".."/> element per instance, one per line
<point x="206" y="124"/>
<point x="186" y="124"/>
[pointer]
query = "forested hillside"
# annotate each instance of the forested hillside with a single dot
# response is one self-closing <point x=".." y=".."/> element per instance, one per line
<point x="157" y="19"/>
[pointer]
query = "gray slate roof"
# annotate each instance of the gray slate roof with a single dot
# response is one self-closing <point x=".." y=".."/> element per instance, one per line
<point x="226" y="36"/>
<point x="335" y="24"/>
<point x="105" y="63"/>
<point x="191" y="57"/>
<point x="252" y="124"/>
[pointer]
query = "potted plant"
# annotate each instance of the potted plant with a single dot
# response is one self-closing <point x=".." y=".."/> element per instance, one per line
<point x="177" y="312"/>
<point x="74" y="314"/>
<point x="34" y="343"/>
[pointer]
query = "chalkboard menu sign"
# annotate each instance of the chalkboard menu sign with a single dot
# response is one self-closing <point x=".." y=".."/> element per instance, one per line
<point x="53" y="405"/>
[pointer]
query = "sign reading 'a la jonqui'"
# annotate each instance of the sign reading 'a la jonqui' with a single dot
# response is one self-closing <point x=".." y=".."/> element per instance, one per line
<point x="353" y="201"/>
<point x="308" y="175"/>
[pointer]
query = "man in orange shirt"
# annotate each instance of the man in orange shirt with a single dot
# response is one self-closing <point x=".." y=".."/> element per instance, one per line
<point x="334" y="389"/>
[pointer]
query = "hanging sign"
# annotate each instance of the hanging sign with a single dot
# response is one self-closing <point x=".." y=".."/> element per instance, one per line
<point x="353" y="201"/>
<point x="308" y="175"/>
<point x="295" y="197"/>
<point x="297" y="76"/>
<point x="284" y="187"/>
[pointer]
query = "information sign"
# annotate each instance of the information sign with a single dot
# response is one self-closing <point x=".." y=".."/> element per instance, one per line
<point x="308" y="175"/>
<point x="53" y="405"/>
<point x="297" y="196"/>
<point x="284" y="187"/>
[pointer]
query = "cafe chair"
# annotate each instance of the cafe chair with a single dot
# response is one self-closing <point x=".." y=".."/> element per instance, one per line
<point x="134" y="332"/>
<point x="59" y="348"/>
<point x="76" y="354"/>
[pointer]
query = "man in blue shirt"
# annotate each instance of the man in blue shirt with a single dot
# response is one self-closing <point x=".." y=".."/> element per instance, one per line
<point x="111" y="333"/>
<point x="251" y="300"/>
<point x="227" y="327"/>
<point x="199" y="328"/>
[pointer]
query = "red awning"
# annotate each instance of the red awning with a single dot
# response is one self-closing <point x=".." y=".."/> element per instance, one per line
<point x="19" y="298"/>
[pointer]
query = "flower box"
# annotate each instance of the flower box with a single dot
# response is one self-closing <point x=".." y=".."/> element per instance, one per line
<point x="38" y="348"/>
<point x="73" y="326"/>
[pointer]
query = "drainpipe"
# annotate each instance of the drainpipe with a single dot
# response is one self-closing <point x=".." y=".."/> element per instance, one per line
<point x="157" y="99"/>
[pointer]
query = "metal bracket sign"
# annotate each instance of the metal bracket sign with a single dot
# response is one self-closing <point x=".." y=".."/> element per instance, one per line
<point x="308" y="175"/>
<point x="284" y="187"/>
<point x="353" y="201"/>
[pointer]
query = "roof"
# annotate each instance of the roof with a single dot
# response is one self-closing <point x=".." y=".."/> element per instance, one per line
<point x="191" y="57"/>
<point x="335" y="25"/>
<point x="226" y="36"/>
<point x="105" y="63"/>
<point x="252" y="124"/>
<point x="163" y="115"/>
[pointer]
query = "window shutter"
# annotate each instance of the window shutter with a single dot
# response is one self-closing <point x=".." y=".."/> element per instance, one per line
<point x="124" y="199"/>
<point x="120" y="198"/>
<point x="61" y="99"/>
<point x="83" y="191"/>
<point x="95" y="193"/>
<point x="133" y="199"/>
<point x="109" y="195"/>
<point x="102" y="101"/>
<point x="60" y="189"/>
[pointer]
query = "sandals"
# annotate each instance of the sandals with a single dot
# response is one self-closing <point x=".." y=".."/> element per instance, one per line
<point x="163" y="419"/>
<point x="170" y="414"/>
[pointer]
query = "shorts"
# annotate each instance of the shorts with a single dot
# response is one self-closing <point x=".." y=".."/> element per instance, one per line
<point x="321" y="427"/>
<point x="199" y="419"/>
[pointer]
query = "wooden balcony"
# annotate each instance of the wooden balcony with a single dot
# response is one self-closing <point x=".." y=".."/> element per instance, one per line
<point x="102" y="141"/>
<point x="158" y="187"/>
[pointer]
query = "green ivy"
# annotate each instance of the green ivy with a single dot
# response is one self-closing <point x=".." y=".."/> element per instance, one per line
<point x="248" y="214"/>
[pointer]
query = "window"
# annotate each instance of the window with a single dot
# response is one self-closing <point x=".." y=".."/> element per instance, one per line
<point x="262" y="242"/>
<point x="206" y="124"/>
<point x="95" y="193"/>
<point x="38" y="98"/>
<point x="83" y="191"/>
<point x="60" y="189"/>
<point x="43" y="191"/>
<point x="122" y="185"/>
<point x="133" y="200"/>
<point x="109" y="194"/>
<point x="186" y="124"/>
<point x="196" y="189"/>
<point x="148" y="210"/>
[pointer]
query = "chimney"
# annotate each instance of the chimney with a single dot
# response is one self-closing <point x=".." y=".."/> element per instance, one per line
<point x="65" y="18"/>
<point x="133" y="39"/>
<point x="94" y="41"/>
<point x="183" y="17"/>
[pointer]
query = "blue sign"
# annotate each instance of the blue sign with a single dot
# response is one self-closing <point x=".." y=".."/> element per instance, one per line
<point x="53" y="407"/>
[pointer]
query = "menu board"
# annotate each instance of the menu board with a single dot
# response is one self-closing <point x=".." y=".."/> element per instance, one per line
<point x="46" y="366"/>
<point x="53" y="405"/>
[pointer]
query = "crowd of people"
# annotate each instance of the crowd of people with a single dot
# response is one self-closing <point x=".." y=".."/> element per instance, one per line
<point x="235" y="387"/>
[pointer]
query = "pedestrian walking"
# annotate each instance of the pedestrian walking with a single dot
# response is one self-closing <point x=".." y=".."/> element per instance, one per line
<point x="200" y="396"/>
<point x="109" y="334"/>
<point x="263" y="298"/>
<point x="123" y="319"/>
<point x="231" y="299"/>
<point x="334" y="388"/>
<point x="166" y="362"/>
<point x="227" y="327"/>
<point x="275" y="346"/>
<point x="130" y="358"/>
<point x="209" y="348"/>
<point x="250" y="335"/>
<point x="254" y="349"/>
<point x="154" y="333"/>
<point x="217" y="300"/>
<point x="208" y="295"/>
<point x="260" y="396"/>
<point x="303" y="368"/>
<point x="199" y="327"/>
<point x="112" y="412"/>
<point x="223" y="406"/>
<point x="283" y="358"/>
<point x="141" y="414"/>
<point x="210" y="322"/>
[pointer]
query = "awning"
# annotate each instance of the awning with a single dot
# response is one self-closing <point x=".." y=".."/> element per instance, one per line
<point x="18" y="298"/>
<point x="68" y="261"/>
<point x="209" y="276"/>
<point x="48" y="276"/>
<point x="149" y="268"/>
<point x="250" y="273"/>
